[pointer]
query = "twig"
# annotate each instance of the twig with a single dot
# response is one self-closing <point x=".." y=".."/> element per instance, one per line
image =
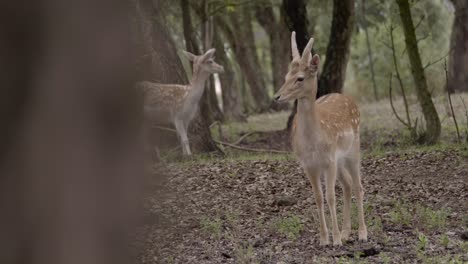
<point x="398" y="76"/>
<point x="251" y="149"/>
<point x="450" y="102"/>
<point x="165" y="128"/>
<point x="393" y="107"/>
<point x="429" y="64"/>
<point x="243" y="137"/>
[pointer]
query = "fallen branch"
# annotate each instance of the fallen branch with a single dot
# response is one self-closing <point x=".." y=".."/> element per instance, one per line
<point x="165" y="128"/>
<point x="251" y="149"/>
<point x="244" y="137"/>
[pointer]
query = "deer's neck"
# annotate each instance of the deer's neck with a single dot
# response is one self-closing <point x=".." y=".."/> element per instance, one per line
<point x="198" y="86"/>
<point x="307" y="120"/>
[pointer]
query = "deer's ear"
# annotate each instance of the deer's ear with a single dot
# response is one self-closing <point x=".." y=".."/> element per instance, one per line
<point x="190" y="56"/>
<point x="210" y="53"/>
<point x="315" y="61"/>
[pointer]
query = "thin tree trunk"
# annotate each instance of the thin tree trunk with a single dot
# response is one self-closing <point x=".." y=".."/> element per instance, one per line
<point x="296" y="20"/>
<point x="242" y="40"/>
<point x="333" y="75"/>
<point x="432" y="132"/>
<point x="279" y="48"/>
<point x="232" y="99"/>
<point x="369" y="52"/>
<point x="458" y="64"/>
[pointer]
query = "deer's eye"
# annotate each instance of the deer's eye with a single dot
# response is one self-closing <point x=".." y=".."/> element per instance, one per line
<point x="300" y="79"/>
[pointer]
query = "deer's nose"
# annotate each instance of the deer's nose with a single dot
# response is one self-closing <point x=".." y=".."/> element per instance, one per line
<point x="277" y="97"/>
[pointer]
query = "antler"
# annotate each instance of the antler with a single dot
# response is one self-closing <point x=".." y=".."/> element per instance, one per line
<point x="306" y="55"/>
<point x="295" y="51"/>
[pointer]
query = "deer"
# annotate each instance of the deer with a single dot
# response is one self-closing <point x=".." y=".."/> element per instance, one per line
<point x="325" y="140"/>
<point x="178" y="104"/>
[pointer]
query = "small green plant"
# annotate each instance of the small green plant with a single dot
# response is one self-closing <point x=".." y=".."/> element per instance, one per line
<point x="384" y="257"/>
<point x="444" y="240"/>
<point x="290" y="226"/>
<point x="212" y="226"/>
<point x="432" y="219"/>
<point x="244" y="253"/>
<point x="400" y="214"/>
<point x="423" y="242"/>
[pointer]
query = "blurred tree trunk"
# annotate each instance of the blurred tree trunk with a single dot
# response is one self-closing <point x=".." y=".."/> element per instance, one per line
<point x="432" y="132"/>
<point x="296" y="20"/>
<point x="232" y="99"/>
<point x="240" y="35"/>
<point x="70" y="150"/>
<point x="208" y="102"/>
<point x="333" y="74"/>
<point x="210" y="97"/>
<point x="458" y="64"/>
<point x="279" y="47"/>
<point x="164" y="55"/>
<point x="369" y="49"/>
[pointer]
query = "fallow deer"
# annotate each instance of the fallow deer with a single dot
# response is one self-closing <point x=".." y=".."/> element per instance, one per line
<point x="325" y="139"/>
<point x="179" y="103"/>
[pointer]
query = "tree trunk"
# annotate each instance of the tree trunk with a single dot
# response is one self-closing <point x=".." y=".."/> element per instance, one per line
<point x="242" y="40"/>
<point x="432" y="132"/>
<point x="69" y="149"/>
<point x="334" y="70"/>
<point x="279" y="48"/>
<point x="232" y="99"/>
<point x="296" y="20"/>
<point x="369" y="51"/>
<point x="458" y="64"/>
<point x="166" y="58"/>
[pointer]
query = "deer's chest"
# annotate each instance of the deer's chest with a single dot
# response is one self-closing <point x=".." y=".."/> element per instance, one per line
<point x="311" y="151"/>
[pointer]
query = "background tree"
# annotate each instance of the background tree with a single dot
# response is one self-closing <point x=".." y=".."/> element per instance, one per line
<point x="432" y="132"/>
<point x="296" y="20"/>
<point x="458" y="63"/>
<point x="333" y="75"/>
<point x="277" y="32"/>
<point x="239" y="32"/>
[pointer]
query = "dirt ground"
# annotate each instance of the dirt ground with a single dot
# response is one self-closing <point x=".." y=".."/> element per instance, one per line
<point x="263" y="211"/>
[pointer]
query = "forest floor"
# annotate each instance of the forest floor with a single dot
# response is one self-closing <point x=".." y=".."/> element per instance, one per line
<point x="259" y="208"/>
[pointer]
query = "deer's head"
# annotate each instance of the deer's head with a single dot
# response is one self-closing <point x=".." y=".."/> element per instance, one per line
<point x="301" y="80"/>
<point x="205" y="62"/>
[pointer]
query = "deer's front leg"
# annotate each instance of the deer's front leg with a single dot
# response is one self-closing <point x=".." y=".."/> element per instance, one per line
<point x="314" y="177"/>
<point x="330" y="180"/>
<point x="182" y="132"/>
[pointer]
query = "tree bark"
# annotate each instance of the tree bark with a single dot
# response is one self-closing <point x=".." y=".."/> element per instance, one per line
<point x="432" y="132"/>
<point x="164" y="56"/>
<point x="296" y="20"/>
<point x="458" y="64"/>
<point x="232" y="99"/>
<point x="241" y="37"/>
<point x="334" y="70"/>
<point x="279" y="48"/>
<point x="70" y="152"/>
<point x="369" y="51"/>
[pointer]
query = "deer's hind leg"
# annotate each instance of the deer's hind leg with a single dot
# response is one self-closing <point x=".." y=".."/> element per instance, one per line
<point x="346" y="182"/>
<point x="354" y="167"/>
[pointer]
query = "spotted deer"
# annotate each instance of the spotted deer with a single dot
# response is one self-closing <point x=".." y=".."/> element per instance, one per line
<point x="325" y="139"/>
<point x="179" y="103"/>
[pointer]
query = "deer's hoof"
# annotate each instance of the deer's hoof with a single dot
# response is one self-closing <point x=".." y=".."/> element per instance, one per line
<point x="363" y="235"/>
<point x="345" y="234"/>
